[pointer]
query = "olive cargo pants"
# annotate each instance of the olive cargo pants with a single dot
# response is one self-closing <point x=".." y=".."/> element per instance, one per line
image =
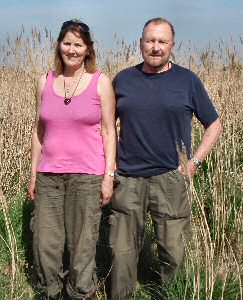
<point x="167" y="198"/>
<point x="67" y="208"/>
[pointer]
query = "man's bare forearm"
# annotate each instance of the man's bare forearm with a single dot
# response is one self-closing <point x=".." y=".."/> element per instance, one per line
<point x="209" y="139"/>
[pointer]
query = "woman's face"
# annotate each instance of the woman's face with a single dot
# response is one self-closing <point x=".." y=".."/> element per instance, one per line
<point x="73" y="50"/>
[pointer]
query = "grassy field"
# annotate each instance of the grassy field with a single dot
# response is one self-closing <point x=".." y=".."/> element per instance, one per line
<point x="214" y="257"/>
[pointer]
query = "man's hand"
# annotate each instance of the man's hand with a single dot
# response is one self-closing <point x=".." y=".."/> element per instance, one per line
<point x="190" y="169"/>
<point x="209" y="139"/>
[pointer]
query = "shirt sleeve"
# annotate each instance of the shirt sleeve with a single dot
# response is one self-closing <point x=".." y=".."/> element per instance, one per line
<point x="203" y="107"/>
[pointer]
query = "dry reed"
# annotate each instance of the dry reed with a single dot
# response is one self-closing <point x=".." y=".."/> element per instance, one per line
<point x="216" y="246"/>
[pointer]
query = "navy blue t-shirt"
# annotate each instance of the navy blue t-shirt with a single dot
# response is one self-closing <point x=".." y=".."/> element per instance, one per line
<point x="155" y="112"/>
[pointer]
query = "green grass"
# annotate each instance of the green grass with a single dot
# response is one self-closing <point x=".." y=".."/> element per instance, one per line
<point x="214" y="261"/>
<point x="183" y="287"/>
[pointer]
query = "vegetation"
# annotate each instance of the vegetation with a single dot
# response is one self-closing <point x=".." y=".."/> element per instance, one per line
<point x="214" y="257"/>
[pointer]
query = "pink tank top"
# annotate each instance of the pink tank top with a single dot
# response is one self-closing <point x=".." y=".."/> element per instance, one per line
<point x="72" y="142"/>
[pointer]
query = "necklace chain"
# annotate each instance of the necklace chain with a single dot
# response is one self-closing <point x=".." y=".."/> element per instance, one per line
<point x="69" y="87"/>
<point x="68" y="99"/>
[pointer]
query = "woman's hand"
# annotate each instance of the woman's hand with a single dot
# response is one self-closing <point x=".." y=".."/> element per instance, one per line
<point x="106" y="189"/>
<point x="31" y="188"/>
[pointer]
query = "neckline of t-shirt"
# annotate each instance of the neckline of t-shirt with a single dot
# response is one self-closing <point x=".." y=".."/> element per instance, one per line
<point x="156" y="75"/>
<point x="82" y="92"/>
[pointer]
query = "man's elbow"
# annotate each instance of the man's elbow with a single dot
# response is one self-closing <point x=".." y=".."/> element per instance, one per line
<point x="216" y="127"/>
<point x="219" y="126"/>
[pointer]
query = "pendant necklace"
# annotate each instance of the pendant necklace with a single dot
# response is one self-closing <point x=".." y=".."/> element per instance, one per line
<point x="67" y="99"/>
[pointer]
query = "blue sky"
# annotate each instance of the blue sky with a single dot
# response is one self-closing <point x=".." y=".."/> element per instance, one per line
<point x="200" y="22"/>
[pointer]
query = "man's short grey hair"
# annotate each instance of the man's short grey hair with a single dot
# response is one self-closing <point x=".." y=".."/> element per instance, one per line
<point x="158" y="21"/>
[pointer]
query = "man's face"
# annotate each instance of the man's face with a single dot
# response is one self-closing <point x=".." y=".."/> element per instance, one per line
<point x="156" y="46"/>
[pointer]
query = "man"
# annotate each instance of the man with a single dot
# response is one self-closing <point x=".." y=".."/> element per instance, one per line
<point x="155" y="103"/>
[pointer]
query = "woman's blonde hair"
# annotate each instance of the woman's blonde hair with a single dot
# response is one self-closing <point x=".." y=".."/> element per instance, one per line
<point x="76" y="26"/>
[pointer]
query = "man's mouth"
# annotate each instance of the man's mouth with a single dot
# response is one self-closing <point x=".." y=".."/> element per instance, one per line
<point x="71" y="56"/>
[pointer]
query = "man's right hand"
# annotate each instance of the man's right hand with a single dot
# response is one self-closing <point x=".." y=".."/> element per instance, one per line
<point x="191" y="169"/>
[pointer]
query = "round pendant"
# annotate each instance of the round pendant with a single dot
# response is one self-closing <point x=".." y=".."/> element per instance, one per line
<point x="67" y="101"/>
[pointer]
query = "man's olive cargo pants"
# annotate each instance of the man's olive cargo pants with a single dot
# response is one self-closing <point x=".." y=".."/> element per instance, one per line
<point x="167" y="198"/>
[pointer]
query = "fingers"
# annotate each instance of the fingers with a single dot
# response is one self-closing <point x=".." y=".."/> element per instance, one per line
<point x="105" y="197"/>
<point x="189" y="169"/>
<point x="31" y="194"/>
<point x="31" y="190"/>
<point x="106" y="191"/>
<point x="105" y="200"/>
<point x="32" y="197"/>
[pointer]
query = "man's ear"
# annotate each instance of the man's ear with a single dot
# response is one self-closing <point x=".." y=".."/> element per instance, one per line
<point x="140" y="44"/>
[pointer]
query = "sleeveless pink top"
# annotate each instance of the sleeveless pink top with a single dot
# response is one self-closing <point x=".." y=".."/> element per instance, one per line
<point x="72" y="142"/>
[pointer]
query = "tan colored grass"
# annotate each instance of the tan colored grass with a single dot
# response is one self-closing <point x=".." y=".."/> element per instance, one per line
<point x="213" y="247"/>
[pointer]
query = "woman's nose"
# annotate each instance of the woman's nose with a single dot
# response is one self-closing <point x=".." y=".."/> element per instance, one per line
<point x="71" y="48"/>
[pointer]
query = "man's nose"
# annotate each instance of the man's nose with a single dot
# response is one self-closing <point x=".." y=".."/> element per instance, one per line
<point x="155" y="46"/>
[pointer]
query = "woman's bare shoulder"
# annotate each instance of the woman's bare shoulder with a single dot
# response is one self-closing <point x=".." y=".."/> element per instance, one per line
<point x="42" y="82"/>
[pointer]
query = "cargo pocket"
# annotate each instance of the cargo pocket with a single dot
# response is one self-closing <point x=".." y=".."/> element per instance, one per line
<point x="116" y="180"/>
<point x="96" y="225"/>
<point x="113" y="228"/>
<point x="32" y="221"/>
<point x="125" y="199"/>
<point x="178" y="195"/>
<point x="181" y="176"/>
<point x="34" y="216"/>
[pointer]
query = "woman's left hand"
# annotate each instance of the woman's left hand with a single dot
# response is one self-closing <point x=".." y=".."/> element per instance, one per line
<point x="106" y="190"/>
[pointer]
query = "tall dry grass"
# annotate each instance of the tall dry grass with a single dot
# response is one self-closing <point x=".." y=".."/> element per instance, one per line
<point x="215" y="252"/>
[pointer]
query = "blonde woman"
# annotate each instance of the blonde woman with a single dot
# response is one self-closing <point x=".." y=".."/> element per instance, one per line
<point x="73" y="158"/>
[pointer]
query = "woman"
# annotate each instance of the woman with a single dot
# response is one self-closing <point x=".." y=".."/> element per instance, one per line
<point x="73" y="158"/>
